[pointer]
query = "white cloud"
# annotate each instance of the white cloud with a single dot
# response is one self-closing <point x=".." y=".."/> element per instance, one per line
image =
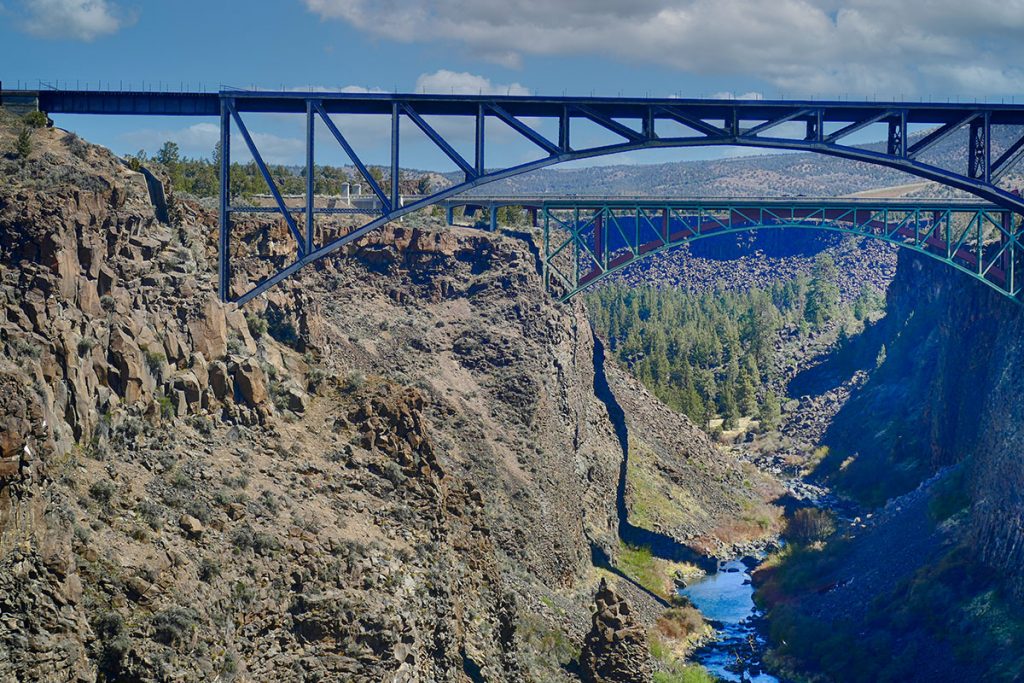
<point x="198" y="140"/>
<point x="447" y="82"/>
<point x="914" y="47"/>
<point x="83" y="20"/>
<point x="724" y="95"/>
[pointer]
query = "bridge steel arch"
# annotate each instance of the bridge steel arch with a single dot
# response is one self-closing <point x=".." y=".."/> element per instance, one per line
<point x="585" y="243"/>
<point x="825" y="127"/>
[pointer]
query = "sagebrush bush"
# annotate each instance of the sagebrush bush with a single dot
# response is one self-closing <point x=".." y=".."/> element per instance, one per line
<point x="809" y="525"/>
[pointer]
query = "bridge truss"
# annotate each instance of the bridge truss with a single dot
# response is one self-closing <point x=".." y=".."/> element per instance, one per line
<point x="827" y="127"/>
<point x="585" y="243"/>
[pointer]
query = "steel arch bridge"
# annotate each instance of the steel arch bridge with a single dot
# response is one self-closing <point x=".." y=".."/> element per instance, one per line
<point x="825" y="127"/>
<point x="587" y="242"/>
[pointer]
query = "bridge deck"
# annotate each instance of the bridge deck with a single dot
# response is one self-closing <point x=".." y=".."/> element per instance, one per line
<point x="208" y="104"/>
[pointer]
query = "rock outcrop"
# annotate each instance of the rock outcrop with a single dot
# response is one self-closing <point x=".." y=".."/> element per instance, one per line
<point x="615" y="649"/>
<point x="404" y="483"/>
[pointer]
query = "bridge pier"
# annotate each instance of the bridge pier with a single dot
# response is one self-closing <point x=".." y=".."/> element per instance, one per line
<point x="531" y="212"/>
<point x="449" y="215"/>
<point x="493" y="218"/>
<point x="19" y="103"/>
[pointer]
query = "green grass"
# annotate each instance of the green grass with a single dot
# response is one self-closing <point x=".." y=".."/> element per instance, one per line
<point x="637" y="563"/>
<point x="685" y="673"/>
<point x="652" y="499"/>
<point x="548" y="647"/>
<point x="950" y="497"/>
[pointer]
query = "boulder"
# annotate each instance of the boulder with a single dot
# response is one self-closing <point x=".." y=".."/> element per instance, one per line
<point x="128" y="376"/>
<point x="249" y="382"/>
<point x="210" y="331"/>
<point x="220" y="380"/>
<point x="192" y="527"/>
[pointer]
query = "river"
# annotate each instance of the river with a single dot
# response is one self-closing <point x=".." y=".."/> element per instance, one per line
<point x="726" y="599"/>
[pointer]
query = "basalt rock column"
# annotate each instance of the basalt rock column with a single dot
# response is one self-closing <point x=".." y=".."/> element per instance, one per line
<point x="615" y="650"/>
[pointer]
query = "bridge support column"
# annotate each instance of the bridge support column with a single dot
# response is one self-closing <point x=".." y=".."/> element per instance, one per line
<point x="599" y="239"/>
<point x="531" y="212"/>
<point x="494" y="218"/>
<point x="449" y="215"/>
<point x="224" y="260"/>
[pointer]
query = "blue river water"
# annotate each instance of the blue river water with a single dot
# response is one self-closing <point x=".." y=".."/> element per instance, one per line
<point x="726" y="598"/>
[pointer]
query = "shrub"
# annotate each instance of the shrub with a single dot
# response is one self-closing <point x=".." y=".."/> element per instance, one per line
<point x="85" y="345"/>
<point x="809" y="525"/>
<point x="679" y="623"/>
<point x="257" y="325"/>
<point x="107" y="303"/>
<point x="77" y="146"/>
<point x="34" y="119"/>
<point x="102" y="491"/>
<point x="174" y="625"/>
<point x="262" y="543"/>
<point x="270" y="502"/>
<point x="154" y="360"/>
<point x="209" y="569"/>
<point x="353" y="381"/>
<point x="166" y="407"/>
<point x="151" y="513"/>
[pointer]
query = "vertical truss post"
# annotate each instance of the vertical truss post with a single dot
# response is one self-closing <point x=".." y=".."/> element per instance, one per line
<point x="599" y="241"/>
<point x="395" y="121"/>
<point x="979" y="160"/>
<point x="563" y="130"/>
<point x="309" y="176"/>
<point x="648" y="124"/>
<point x="898" y="135"/>
<point x="636" y="231"/>
<point x="979" y="244"/>
<point x="547" y="249"/>
<point x="480" y="125"/>
<point x="1015" y="252"/>
<point x="814" y="133"/>
<point x="1006" y="235"/>
<point x="576" y="245"/>
<point x="224" y="261"/>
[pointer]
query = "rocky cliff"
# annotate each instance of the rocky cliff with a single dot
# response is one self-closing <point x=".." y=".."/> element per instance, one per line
<point x="947" y="392"/>
<point x="393" y="467"/>
<point x="931" y="442"/>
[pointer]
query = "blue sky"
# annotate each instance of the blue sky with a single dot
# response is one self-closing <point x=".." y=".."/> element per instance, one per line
<point x="931" y="49"/>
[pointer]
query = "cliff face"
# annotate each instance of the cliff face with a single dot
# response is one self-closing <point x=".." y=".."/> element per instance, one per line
<point x="947" y="392"/>
<point x="371" y="482"/>
<point x="392" y="467"/>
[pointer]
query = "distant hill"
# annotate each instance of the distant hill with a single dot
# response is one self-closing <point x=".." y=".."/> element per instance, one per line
<point x="784" y="174"/>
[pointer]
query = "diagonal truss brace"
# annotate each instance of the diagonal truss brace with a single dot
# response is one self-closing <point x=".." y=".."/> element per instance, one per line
<point x="363" y="171"/>
<point x="285" y="211"/>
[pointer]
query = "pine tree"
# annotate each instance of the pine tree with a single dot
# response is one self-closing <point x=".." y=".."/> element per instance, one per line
<point x="746" y="393"/>
<point x="23" y="145"/>
<point x="771" y="411"/>
<point x="823" y="292"/>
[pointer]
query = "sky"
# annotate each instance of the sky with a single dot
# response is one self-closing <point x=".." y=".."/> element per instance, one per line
<point x="866" y="49"/>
